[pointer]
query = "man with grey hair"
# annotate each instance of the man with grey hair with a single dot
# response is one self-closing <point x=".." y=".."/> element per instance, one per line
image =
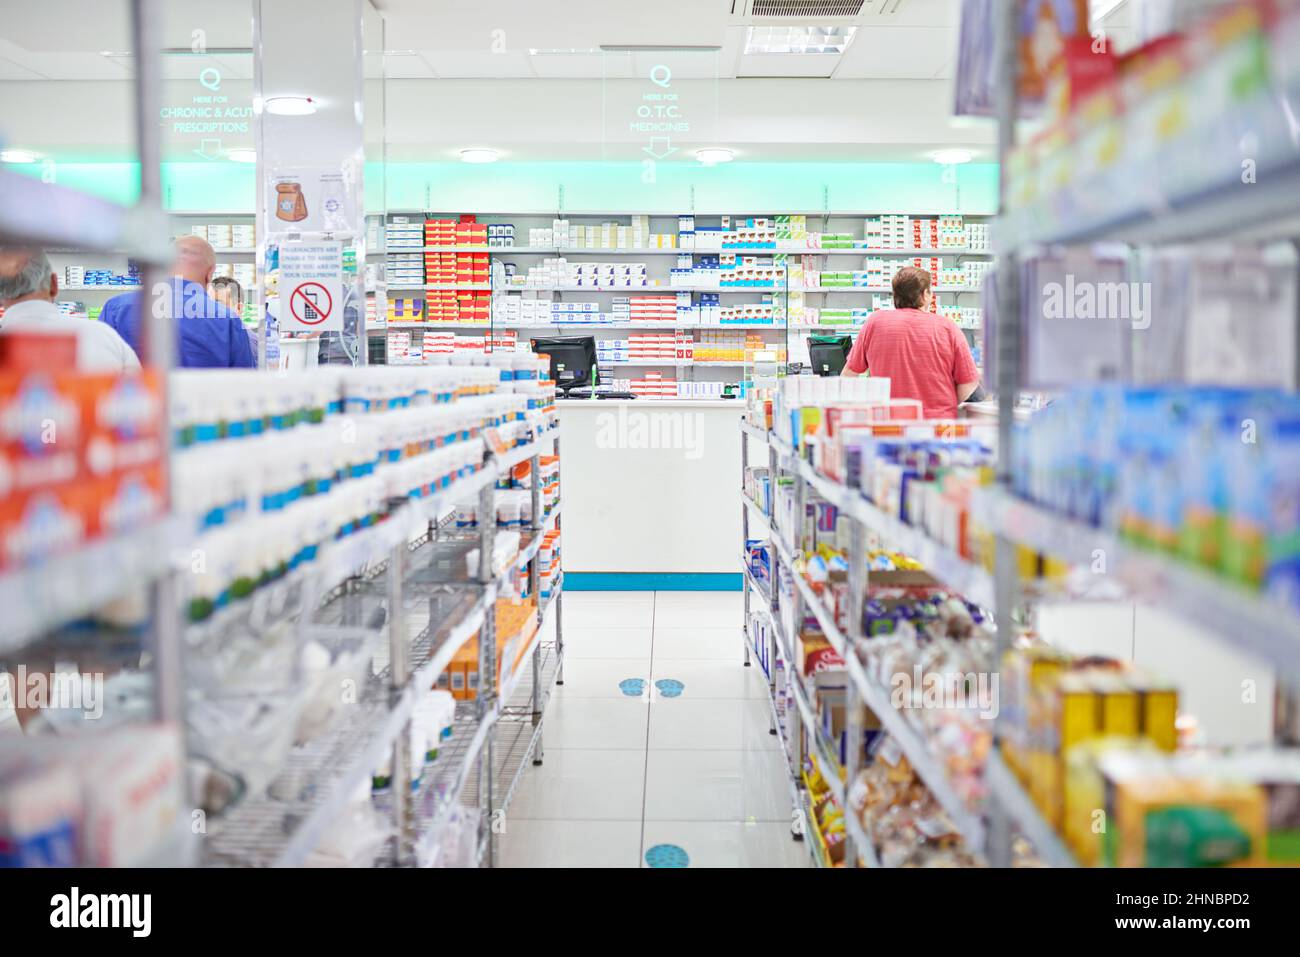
<point x="28" y="288"/>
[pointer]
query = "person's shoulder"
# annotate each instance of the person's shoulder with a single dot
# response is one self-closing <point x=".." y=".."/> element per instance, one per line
<point x="98" y="330"/>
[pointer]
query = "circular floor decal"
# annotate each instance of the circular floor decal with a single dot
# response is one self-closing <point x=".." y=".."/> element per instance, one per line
<point x="670" y="687"/>
<point x="632" y="687"/>
<point x="667" y="855"/>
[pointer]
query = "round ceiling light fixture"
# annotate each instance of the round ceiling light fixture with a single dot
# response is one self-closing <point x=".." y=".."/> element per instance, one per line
<point x="713" y="155"/>
<point x="18" y="156"/>
<point x="290" y="105"/>
<point x="242" y="155"/>
<point x="952" y="157"/>
<point x="478" y="154"/>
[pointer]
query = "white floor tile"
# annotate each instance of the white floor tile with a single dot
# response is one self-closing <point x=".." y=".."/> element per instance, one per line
<point x="571" y="844"/>
<point x="629" y="598"/>
<point x="599" y="723"/>
<point x="699" y="610"/>
<point x="715" y="600"/>
<point x="717" y="786"/>
<point x="711" y="724"/>
<point x="711" y="677"/>
<point x="583" y="785"/>
<point x="600" y="677"/>
<point x="729" y="844"/>
<point x="607" y="614"/>
<point x="597" y="642"/>
<point x="697" y="642"/>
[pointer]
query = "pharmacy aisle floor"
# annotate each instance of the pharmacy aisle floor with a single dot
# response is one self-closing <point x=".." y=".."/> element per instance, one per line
<point x="657" y="751"/>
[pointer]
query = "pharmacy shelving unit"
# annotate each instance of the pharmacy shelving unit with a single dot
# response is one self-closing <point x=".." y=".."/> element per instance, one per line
<point x="1076" y="211"/>
<point x="787" y="301"/>
<point x="864" y="690"/>
<point x="413" y="585"/>
<point x="117" y="258"/>
<point x="39" y="601"/>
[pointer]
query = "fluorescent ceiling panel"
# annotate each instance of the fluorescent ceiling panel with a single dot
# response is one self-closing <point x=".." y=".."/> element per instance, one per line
<point x="799" y="40"/>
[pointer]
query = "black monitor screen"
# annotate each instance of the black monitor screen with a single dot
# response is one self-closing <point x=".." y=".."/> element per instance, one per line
<point x="827" y="354"/>
<point x="573" y="360"/>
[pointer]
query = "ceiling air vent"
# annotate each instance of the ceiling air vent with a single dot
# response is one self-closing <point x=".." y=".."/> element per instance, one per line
<point x="806" y="8"/>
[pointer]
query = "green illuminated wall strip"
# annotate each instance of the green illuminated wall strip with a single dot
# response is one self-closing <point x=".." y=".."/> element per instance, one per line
<point x="591" y="186"/>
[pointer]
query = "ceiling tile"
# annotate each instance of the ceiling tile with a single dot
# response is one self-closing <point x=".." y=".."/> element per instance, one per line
<point x="787" y="64"/>
<point x="897" y="53"/>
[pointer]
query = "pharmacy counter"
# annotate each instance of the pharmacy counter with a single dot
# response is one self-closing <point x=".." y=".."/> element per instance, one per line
<point x="650" y="493"/>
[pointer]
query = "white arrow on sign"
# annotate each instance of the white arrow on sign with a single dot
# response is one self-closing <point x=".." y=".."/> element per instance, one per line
<point x="668" y="150"/>
<point x="210" y="148"/>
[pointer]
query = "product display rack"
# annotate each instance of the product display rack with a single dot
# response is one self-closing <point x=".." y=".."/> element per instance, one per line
<point x="1075" y="211"/>
<point x="779" y="333"/>
<point x="40" y="600"/>
<point x="384" y="571"/>
<point x="804" y="728"/>
<point x="954" y="571"/>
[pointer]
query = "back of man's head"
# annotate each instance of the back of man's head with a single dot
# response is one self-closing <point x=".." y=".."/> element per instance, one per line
<point x="195" y="260"/>
<point x="25" y="274"/>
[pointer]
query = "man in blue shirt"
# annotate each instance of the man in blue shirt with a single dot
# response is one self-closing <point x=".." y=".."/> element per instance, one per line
<point x="208" y="335"/>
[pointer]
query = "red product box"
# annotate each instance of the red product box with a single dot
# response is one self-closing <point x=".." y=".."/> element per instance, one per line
<point x="29" y="351"/>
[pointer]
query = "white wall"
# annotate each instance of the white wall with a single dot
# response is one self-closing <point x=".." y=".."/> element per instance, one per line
<point x="1209" y="673"/>
<point x="767" y="119"/>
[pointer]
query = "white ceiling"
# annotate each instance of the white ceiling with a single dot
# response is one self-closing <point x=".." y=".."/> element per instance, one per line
<point x="895" y="39"/>
<point x="529" y="76"/>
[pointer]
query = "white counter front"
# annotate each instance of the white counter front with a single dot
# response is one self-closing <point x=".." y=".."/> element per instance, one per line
<point x="650" y="491"/>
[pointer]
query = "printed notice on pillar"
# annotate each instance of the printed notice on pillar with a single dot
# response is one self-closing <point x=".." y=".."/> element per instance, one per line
<point x="311" y="287"/>
<point x="308" y="200"/>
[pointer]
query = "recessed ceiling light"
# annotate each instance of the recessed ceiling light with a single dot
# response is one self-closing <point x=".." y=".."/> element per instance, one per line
<point x="290" y="105"/>
<point x="478" y="155"/>
<point x="242" y="155"/>
<point x="712" y="155"/>
<point x="18" y="156"/>
<point x="951" y="157"/>
<point x="799" y="39"/>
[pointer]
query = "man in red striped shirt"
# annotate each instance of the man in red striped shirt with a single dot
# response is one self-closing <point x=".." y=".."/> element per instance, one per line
<point x="924" y="356"/>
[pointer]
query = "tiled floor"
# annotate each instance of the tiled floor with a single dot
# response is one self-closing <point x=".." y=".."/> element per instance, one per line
<point x="623" y="774"/>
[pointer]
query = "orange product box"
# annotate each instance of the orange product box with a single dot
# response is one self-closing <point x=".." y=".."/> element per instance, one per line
<point x="41" y="429"/>
<point x="122" y="419"/>
<point x="40" y="522"/>
<point x="127" y="500"/>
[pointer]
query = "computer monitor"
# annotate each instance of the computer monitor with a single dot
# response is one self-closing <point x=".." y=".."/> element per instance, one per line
<point x="827" y="354"/>
<point x="573" y="360"/>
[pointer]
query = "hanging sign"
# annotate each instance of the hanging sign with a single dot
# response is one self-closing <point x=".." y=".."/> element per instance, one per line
<point x="311" y="285"/>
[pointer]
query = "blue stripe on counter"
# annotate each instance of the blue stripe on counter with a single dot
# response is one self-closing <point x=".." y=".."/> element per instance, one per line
<point x="652" y="581"/>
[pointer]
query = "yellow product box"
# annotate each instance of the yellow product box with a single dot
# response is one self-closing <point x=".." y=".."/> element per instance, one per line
<point x="1084" y="821"/>
<point x="1119" y="705"/>
<point x="1229" y="817"/>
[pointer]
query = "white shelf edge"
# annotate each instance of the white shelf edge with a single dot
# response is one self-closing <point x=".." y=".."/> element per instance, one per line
<point x="38" y="598"/>
<point x="1244" y="619"/>
<point x="1005" y="788"/>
